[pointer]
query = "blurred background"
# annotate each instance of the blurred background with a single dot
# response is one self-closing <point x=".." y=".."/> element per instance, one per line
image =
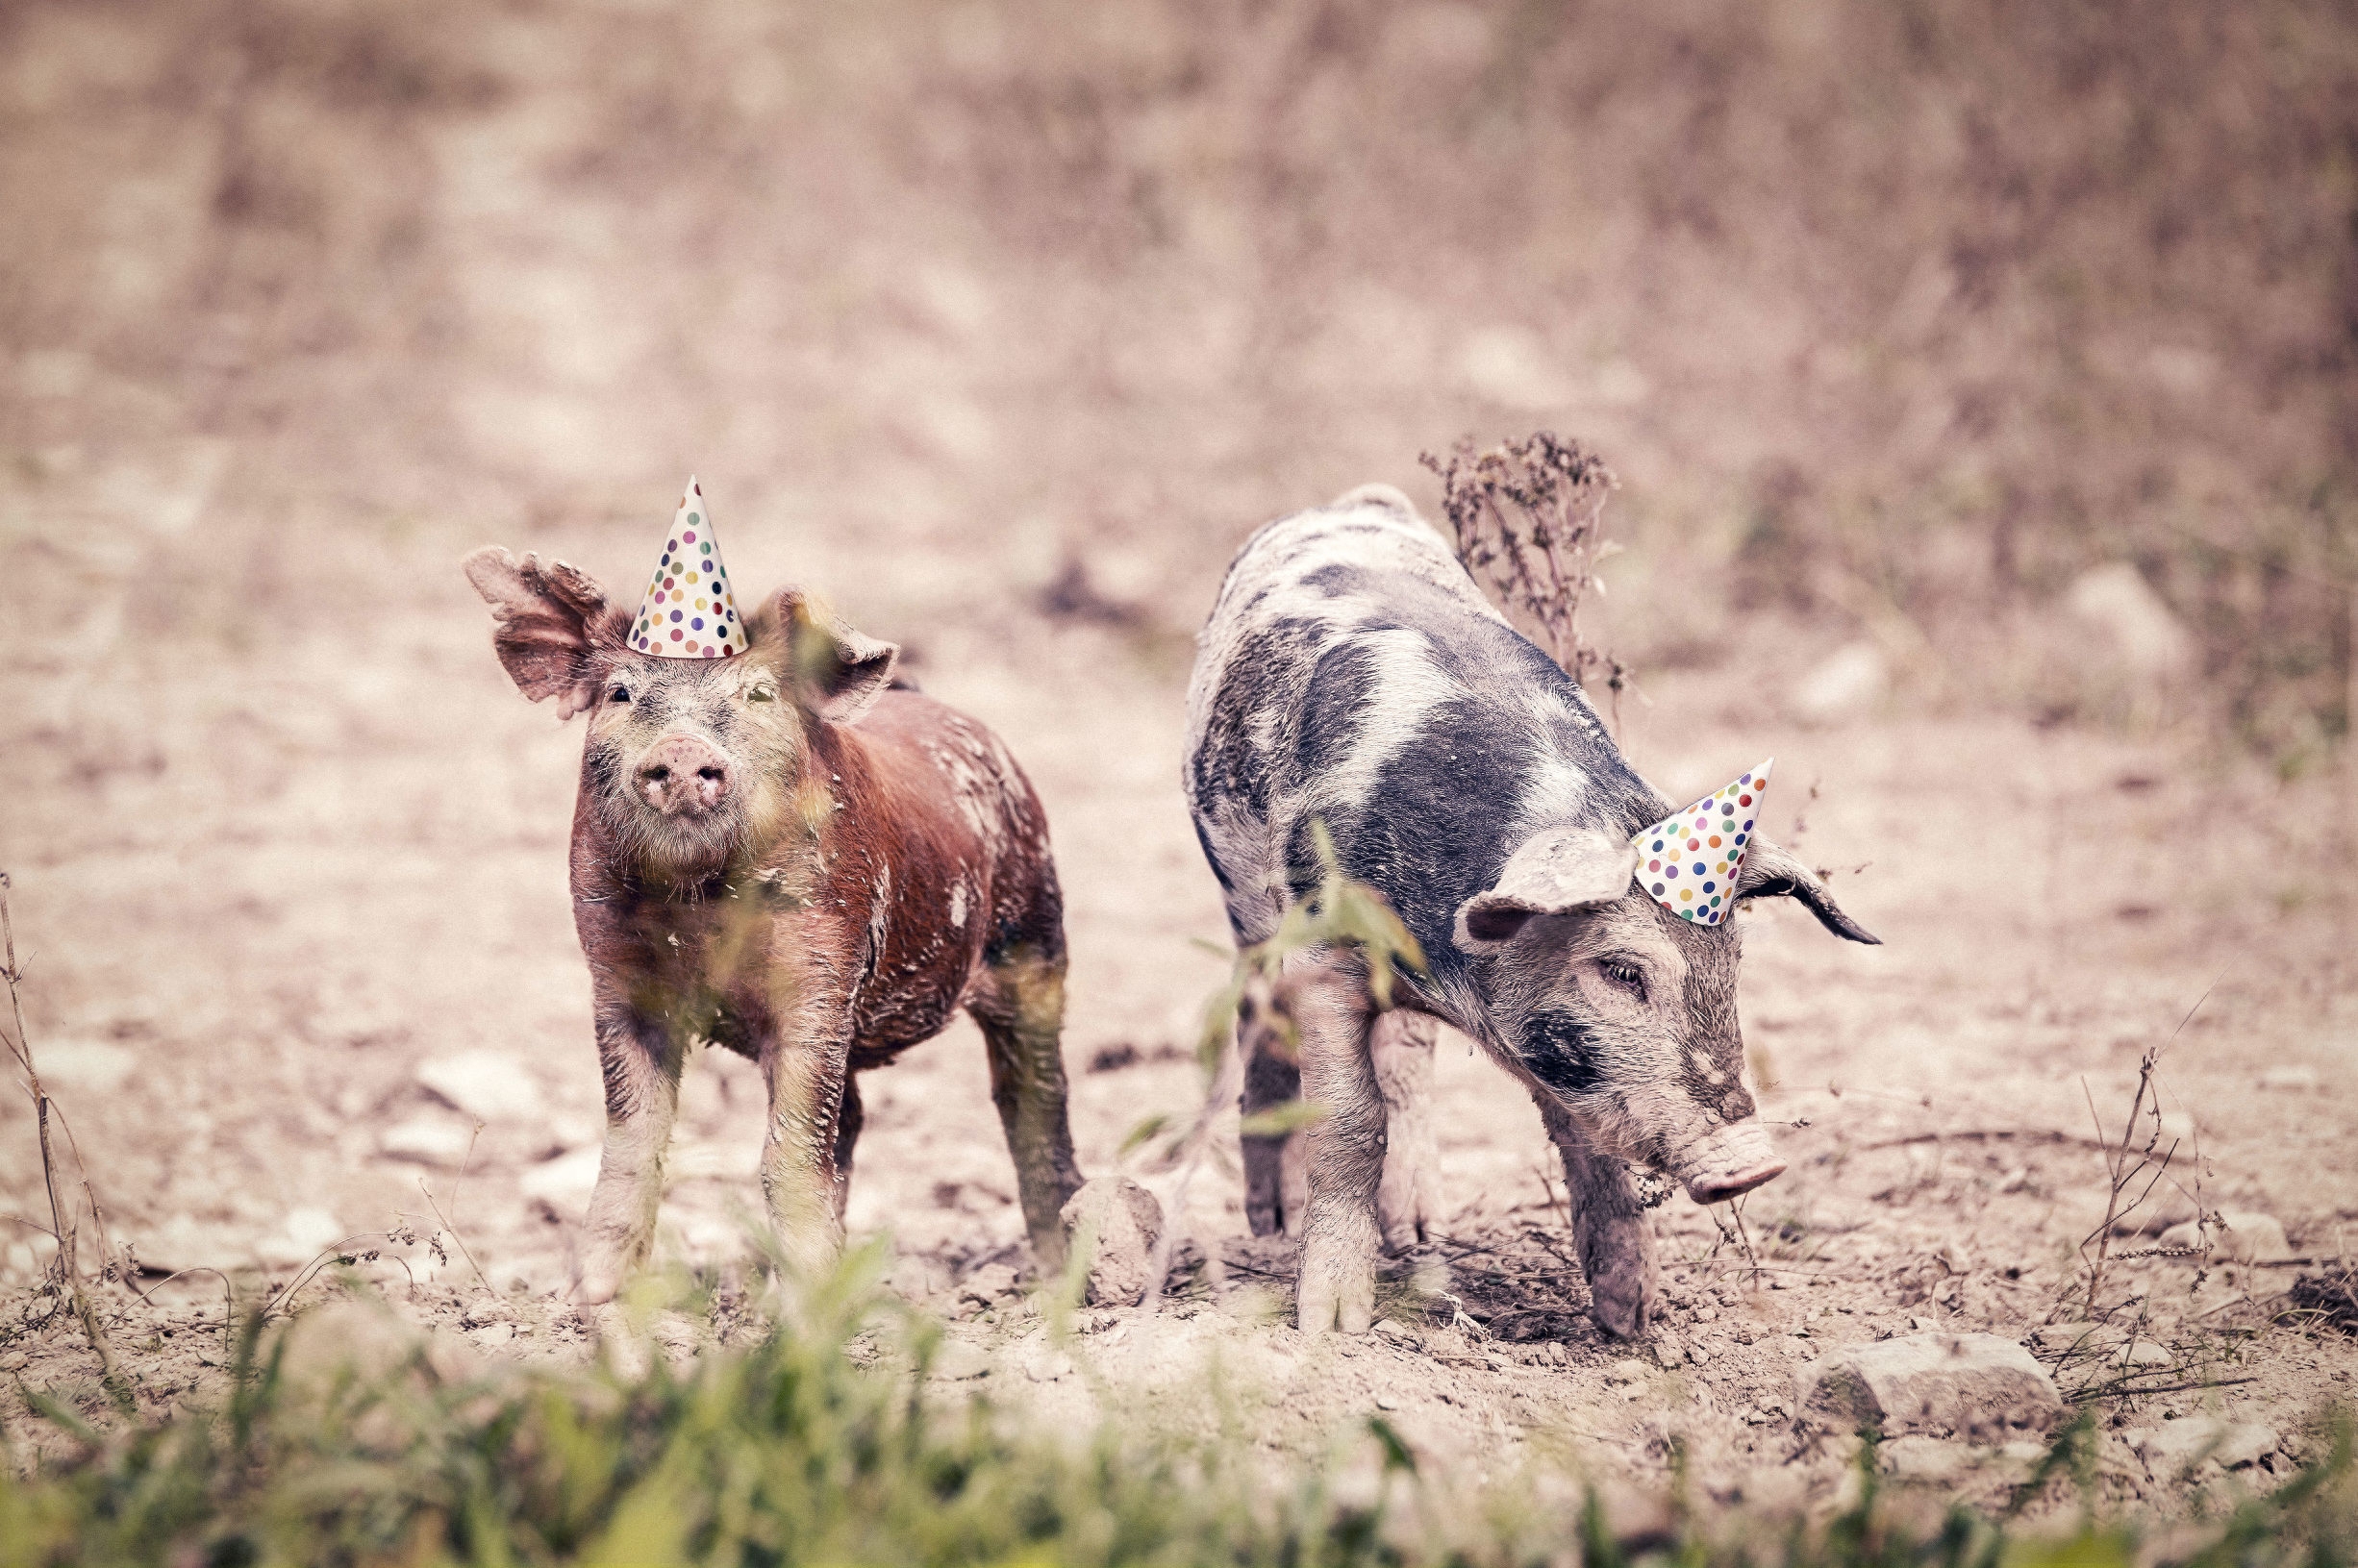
<point x="1895" y="319"/>
<point x="1977" y="363"/>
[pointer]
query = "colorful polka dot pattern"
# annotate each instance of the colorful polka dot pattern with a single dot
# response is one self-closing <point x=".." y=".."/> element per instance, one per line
<point x="1690" y="860"/>
<point x="688" y="612"/>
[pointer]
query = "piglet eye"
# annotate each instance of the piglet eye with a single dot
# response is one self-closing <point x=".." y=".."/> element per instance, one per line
<point x="1626" y="975"/>
<point x="762" y="694"/>
<point x="617" y="695"/>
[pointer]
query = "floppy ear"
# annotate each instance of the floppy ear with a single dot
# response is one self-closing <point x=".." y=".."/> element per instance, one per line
<point x="1553" y="872"/>
<point x="1770" y="872"/>
<point x="833" y="671"/>
<point x="547" y="621"/>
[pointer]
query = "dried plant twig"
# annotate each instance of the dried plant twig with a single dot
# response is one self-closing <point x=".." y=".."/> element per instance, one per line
<point x="66" y="1272"/>
<point x="1528" y="518"/>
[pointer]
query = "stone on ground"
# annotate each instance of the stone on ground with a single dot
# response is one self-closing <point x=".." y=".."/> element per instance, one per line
<point x="1125" y="1222"/>
<point x="2175" y="1448"/>
<point x="1972" y="1385"/>
<point x="488" y="1085"/>
<point x="2245" y="1236"/>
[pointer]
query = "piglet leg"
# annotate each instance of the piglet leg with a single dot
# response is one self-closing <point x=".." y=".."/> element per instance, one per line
<point x="641" y="1062"/>
<point x="1609" y="1226"/>
<point x="1408" y="1202"/>
<point x="1274" y="1190"/>
<point x="803" y="1184"/>
<point x="1022" y="1015"/>
<point x="1328" y="1000"/>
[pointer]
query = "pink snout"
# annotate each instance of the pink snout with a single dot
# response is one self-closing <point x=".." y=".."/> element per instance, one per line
<point x="1731" y="1163"/>
<point x="682" y="775"/>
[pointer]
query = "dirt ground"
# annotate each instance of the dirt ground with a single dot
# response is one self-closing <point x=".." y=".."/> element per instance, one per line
<point x="288" y="851"/>
<point x="260" y="924"/>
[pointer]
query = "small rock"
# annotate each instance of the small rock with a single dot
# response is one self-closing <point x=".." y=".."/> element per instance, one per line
<point x="1042" y="1362"/>
<point x="566" y="1180"/>
<point x="1556" y="1355"/>
<point x="1126" y="1221"/>
<point x="488" y="1085"/>
<point x="956" y="1361"/>
<point x="91" y="1066"/>
<point x="1966" y="1384"/>
<point x="1773" y="1489"/>
<point x="988" y="1283"/>
<point x="2142" y="1353"/>
<point x="1630" y="1371"/>
<point x="1385" y="1401"/>
<point x="2116" y="601"/>
<point x="301" y="1236"/>
<point x="428" y="1140"/>
<point x="2175" y="1447"/>
<point x="2058" y="1337"/>
<point x="491" y="1336"/>
<point x="1924" y="1459"/>
<point x="2246" y="1237"/>
<point x="913" y="1278"/>
<point x="1848" y="682"/>
<point x="1668" y="1351"/>
<point x="2290" y="1079"/>
<point x="1697" y="1355"/>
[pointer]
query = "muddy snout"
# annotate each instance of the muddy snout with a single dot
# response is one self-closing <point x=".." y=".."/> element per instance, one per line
<point x="682" y="775"/>
<point x="1730" y="1163"/>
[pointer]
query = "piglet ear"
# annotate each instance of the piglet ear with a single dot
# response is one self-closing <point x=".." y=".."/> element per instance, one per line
<point x="1770" y="872"/>
<point x="836" y="673"/>
<point x="1552" y="872"/>
<point x="546" y="620"/>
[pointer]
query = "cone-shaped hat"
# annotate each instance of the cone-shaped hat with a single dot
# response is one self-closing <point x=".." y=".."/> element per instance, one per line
<point x="688" y="612"/>
<point x="1690" y="859"/>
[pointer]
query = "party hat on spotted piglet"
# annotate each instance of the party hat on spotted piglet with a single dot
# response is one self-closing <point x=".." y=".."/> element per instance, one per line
<point x="688" y="612"/>
<point x="1690" y="859"/>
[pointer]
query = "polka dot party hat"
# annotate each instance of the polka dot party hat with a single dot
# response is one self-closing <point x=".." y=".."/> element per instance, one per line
<point x="1690" y="859"/>
<point x="688" y="612"/>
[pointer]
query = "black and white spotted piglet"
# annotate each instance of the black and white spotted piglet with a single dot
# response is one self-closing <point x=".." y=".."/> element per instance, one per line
<point x="1353" y="673"/>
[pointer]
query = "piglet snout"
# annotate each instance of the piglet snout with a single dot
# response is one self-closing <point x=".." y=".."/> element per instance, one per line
<point x="1730" y="1163"/>
<point x="682" y="775"/>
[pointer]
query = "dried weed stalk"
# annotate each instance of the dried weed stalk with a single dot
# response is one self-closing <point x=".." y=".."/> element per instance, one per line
<point x="1528" y="518"/>
<point x="64" y="1271"/>
<point x="2134" y="1168"/>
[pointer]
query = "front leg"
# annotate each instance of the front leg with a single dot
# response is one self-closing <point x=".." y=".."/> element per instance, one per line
<point x="642" y="1062"/>
<point x="1327" y="997"/>
<point x="1609" y="1226"/>
<point x="805" y="1060"/>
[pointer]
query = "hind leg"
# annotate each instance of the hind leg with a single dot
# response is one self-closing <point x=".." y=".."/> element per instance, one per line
<point x="1273" y="1186"/>
<point x="846" y="1133"/>
<point x="1022" y="1012"/>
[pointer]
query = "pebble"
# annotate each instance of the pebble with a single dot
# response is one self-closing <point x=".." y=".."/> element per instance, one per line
<point x="1968" y="1383"/>
<point x="488" y="1085"/>
<point x="988" y="1283"/>
<point x="2248" y="1237"/>
<point x="1126" y="1221"/>
<point x="958" y="1361"/>
<point x="2175" y="1447"/>
<point x="2144" y="1352"/>
<point x="1385" y="1401"/>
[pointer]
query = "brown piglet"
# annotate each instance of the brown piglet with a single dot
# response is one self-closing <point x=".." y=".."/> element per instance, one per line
<point x="784" y="854"/>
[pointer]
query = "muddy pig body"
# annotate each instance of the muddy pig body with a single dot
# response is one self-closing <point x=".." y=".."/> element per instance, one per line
<point x="1352" y="674"/>
<point x="782" y="854"/>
